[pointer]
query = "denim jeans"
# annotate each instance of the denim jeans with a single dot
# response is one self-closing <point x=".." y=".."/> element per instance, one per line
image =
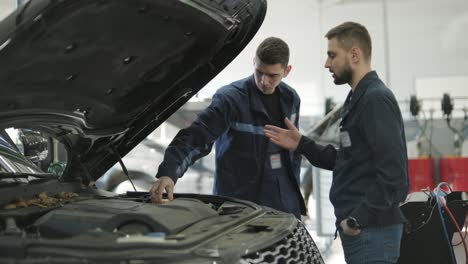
<point x="373" y="245"/>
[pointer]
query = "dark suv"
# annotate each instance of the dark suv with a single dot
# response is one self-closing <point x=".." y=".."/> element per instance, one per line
<point x="81" y="84"/>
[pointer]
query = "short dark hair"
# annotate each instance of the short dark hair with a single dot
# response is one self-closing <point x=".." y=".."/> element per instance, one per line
<point x="273" y="50"/>
<point x="351" y="34"/>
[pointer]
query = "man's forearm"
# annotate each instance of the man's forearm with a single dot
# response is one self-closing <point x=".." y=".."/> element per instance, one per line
<point x="320" y="156"/>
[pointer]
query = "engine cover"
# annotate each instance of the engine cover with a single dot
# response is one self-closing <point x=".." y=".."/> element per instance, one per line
<point x="112" y="215"/>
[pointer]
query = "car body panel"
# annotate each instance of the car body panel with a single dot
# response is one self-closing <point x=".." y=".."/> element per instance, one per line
<point x="82" y="83"/>
<point x="105" y="74"/>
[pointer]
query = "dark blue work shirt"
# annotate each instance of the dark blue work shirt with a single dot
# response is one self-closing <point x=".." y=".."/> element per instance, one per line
<point x="235" y="121"/>
<point x="370" y="167"/>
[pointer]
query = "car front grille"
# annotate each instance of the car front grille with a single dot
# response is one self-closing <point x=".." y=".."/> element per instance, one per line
<point x="297" y="248"/>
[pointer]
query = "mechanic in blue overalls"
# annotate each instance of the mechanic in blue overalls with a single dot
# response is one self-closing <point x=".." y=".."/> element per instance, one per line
<point x="248" y="165"/>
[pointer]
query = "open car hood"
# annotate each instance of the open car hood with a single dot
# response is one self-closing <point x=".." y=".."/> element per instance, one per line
<point x="103" y="74"/>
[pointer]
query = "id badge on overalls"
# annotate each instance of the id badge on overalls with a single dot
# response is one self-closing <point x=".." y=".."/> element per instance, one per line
<point x="345" y="139"/>
<point x="275" y="161"/>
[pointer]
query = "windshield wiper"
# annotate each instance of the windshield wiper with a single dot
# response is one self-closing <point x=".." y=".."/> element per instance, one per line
<point x="15" y="175"/>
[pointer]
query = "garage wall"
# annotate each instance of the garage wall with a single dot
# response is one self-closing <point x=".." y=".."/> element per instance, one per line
<point x="428" y="39"/>
<point x="296" y="22"/>
<point x="425" y="39"/>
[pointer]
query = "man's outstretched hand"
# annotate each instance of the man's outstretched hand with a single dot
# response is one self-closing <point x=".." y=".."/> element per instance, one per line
<point x="286" y="138"/>
<point x="163" y="183"/>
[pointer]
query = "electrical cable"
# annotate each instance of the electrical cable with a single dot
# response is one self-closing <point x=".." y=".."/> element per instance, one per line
<point x="429" y="138"/>
<point x="466" y="232"/>
<point x="440" y="194"/>
<point x="444" y="229"/>
<point x="425" y="222"/>
<point x="459" y="137"/>
<point x="423" y="129"/>
<point x="458" y="230"/>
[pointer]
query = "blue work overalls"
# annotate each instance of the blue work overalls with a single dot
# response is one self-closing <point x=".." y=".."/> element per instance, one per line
<point x="235" y="121"/>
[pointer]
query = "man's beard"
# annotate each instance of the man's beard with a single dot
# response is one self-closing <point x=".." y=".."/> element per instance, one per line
<point x="345" y="76"/>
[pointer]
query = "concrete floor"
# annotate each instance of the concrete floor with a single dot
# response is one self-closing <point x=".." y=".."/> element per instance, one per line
<point x="331" y="250"/>
<point x="460" y="250"/>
